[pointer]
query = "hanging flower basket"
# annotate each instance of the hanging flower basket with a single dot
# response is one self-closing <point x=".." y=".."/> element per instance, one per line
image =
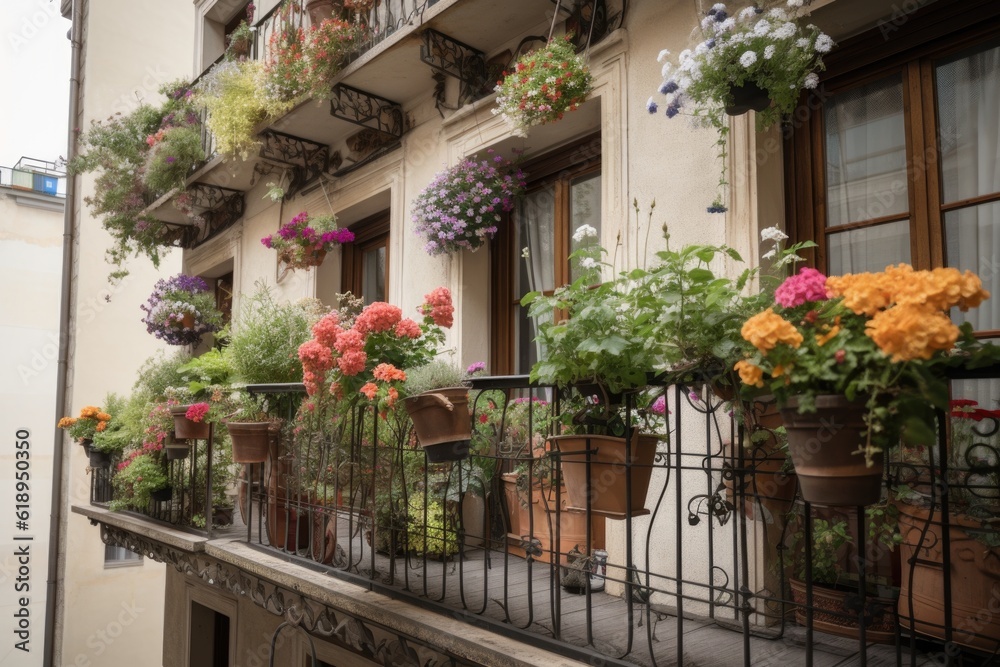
<point x="303" y="241"/>
<point x="759" y="59"/>
<point x="181" y="310"/>
<point x="544" y="85"/>
<point x="464" y="206"/>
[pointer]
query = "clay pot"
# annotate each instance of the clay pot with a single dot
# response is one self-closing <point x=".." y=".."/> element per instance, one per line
<point x="835" y="612"/>
<point x="535" y="522"/>
<point x="442" y="423"/>
<point x="974" y="575"/>
<point x="822" y="446"/>
<point x="608" y="472"/>
<point x="250" y="441"/>
<point x="184" y="428"/>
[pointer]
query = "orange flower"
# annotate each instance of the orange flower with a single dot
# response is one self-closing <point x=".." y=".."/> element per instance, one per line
<point x="767" y="329"/>
<point x="103" y="416"/>
<point x="66" y="422"/>
<point x="369" y="390"/>
<point x="912" y="332"/>
<point x="823" y="339"/>
<point x="101" y="426"/>
<point x="393" y="396"/>
<point x="388" y="373"/>
<point x="749" y="373"/>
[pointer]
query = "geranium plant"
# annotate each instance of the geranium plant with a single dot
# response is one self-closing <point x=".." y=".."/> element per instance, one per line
<point x="181" y="310"/>
<point x="878" y="337"/>
<point x="759" y="58"/>
<point x="544" y="85"/>
<point x="92" y="420"/>
<point x="304" y="241"/>
<point x="326" y="49"/>
<point x="463" y="206"/>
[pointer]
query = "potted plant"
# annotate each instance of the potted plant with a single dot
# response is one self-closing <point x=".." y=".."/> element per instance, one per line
<point x="92" y="420"/>
<point x="240" y="41"/>
<point x="139" y="480"/>
<point x="328" y="45"/>
<point x="438" y="405"/>
<point x="181" y="310"/>
<point x="172" y="157"/>
<point x="865" y="351"/>
<point x="463" y="206"/>
<point x="758" y="59"/>
<point x="836" y="597"/>
<point x="543" y="86"/>
<point x="251" y="430"/>
<point x="973" y="486"/>
<point x="303" y="241"/>
<point x="123" y="429"/>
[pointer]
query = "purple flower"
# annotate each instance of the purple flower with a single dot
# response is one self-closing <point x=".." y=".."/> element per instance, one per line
<point x="477" y="367"/>
<point x="170" y="159"/>
<point x="668" y="86"/>
<point x="673" y="109"/>
<point x="659" y="406"/>
<point x="651" y="105"/>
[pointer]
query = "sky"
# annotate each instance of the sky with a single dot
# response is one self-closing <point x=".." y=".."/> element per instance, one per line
<point x="34" y="75"/>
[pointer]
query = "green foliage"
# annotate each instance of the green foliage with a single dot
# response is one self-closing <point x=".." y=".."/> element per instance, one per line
<point x="437" y="374"/>
<point x="264" y="345"/>
<point x="213" y="369"/>
<point x="137" y="480"/>
<point x="237" y="99"/>
<point x="157" y="374"/>
<point x="434" y="533"/>
<point x="126" y="426"/>
<point x="172" y="159"/>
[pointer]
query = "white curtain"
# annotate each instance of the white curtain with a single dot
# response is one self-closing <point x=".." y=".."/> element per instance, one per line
<point x="536" y="236"/>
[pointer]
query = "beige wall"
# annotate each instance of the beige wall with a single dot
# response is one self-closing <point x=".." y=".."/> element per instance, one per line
<point x="114" y="616"/>
<point x="30" y="267"/>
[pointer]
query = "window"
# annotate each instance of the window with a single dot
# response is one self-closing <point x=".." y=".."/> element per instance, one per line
<point x="210" y="635"/>
<point x="531" y="253"/>
<point x="901" y="162"/>
<point x="120" y="557"/>
<point x="366" y="260"/>
<point x="224" y="296"/>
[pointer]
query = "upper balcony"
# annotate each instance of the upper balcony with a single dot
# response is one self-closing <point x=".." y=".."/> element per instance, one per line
<point x="411" y="49"/>
<point x="706" y="555"/>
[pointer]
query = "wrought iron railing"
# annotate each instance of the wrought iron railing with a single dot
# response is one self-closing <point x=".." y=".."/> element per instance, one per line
<point x="707" y="556"/>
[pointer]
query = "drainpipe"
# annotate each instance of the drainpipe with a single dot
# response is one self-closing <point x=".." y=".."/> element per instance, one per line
<point x="53" y="644"/>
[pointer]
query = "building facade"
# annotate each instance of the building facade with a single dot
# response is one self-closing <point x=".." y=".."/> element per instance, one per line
<point x="894" y="158"/>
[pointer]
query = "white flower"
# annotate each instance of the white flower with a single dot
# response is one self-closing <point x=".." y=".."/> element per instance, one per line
<point x="719" y="7"/>
<point x="665" y="71"/>
<point x="701" y="49"/>
<point x="824" y="43"/>
<point x="725" y="26"/>
<point x="811" y="81"/>
<point x="770" y="253"/>
<point x="785" y="31"/>
<point x="707" y="22"/>
<point x="772" y="234"/>
<point x="768" y="51"/>
<point x="525" y="253"/>
<point x="588" y="263"/>
<point x="778" y="14"/>
<point x="762" y="28"/>
<point x="748" y="58"/>
<point x="802" y="43"/>
<point x="794" y="4"/>
<point x="583" y="232"/>
<point x="748" y="14"/>
<point x="685" y="54"/>
<point x="663" y="56"/>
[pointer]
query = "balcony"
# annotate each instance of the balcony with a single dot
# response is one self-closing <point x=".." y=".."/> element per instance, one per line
<point x="709" y="558"/>
<point x="412" y="47"/>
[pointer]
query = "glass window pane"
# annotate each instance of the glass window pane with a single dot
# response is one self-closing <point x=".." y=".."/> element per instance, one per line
<point x="536" y="242"/>
<point x="866" y="153"/>
<point x="869" y="248"/>
<point x="968" y="102"/>
<point x="585" y="209"/>
<point x="373" y="278"/>
<point x="972" y="241"/>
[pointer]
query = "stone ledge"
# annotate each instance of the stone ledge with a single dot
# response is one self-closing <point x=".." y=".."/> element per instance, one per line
<point x="171" y="537"/>
<point x="444" y="632"/>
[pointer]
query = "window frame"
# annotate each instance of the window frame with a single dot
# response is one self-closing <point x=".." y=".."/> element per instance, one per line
<point x="911" y="48"/>
<point x="369" y="233"/>
<point x="559" y="167"/>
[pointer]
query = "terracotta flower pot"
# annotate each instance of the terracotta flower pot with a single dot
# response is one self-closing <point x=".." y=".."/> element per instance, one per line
<point x="184" y="428"/>
<point x="608" y="472"/>
<point x="974" y="576"/>
<point x="836" y="611"/>
<point x="822" y="446"/>
<point x="441" y="420"/>
<point x="250" y="441"/>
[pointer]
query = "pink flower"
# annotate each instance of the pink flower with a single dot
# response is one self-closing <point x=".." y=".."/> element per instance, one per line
<point x="197" y="411"/>
<point x="377" y="317"/>
<point x="438" y="306"/>
<point x="352" y="362"/>
<point x="808" y="285"/>
<point x="659" y="406"/>
<point x="407" y="328"/>
<point x="327" y="329"/>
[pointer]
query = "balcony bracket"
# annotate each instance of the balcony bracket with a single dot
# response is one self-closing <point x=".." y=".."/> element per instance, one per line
<point x="367" y="110"/>
<point x="460" y="61"/>
<point x="211" y="208"/>
<point x="307" y="159"/>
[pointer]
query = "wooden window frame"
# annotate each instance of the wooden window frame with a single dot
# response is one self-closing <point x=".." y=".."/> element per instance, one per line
<point x="560" y="167"/>
<point x="909" y="47"/>
<point x="369" y="233"/>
